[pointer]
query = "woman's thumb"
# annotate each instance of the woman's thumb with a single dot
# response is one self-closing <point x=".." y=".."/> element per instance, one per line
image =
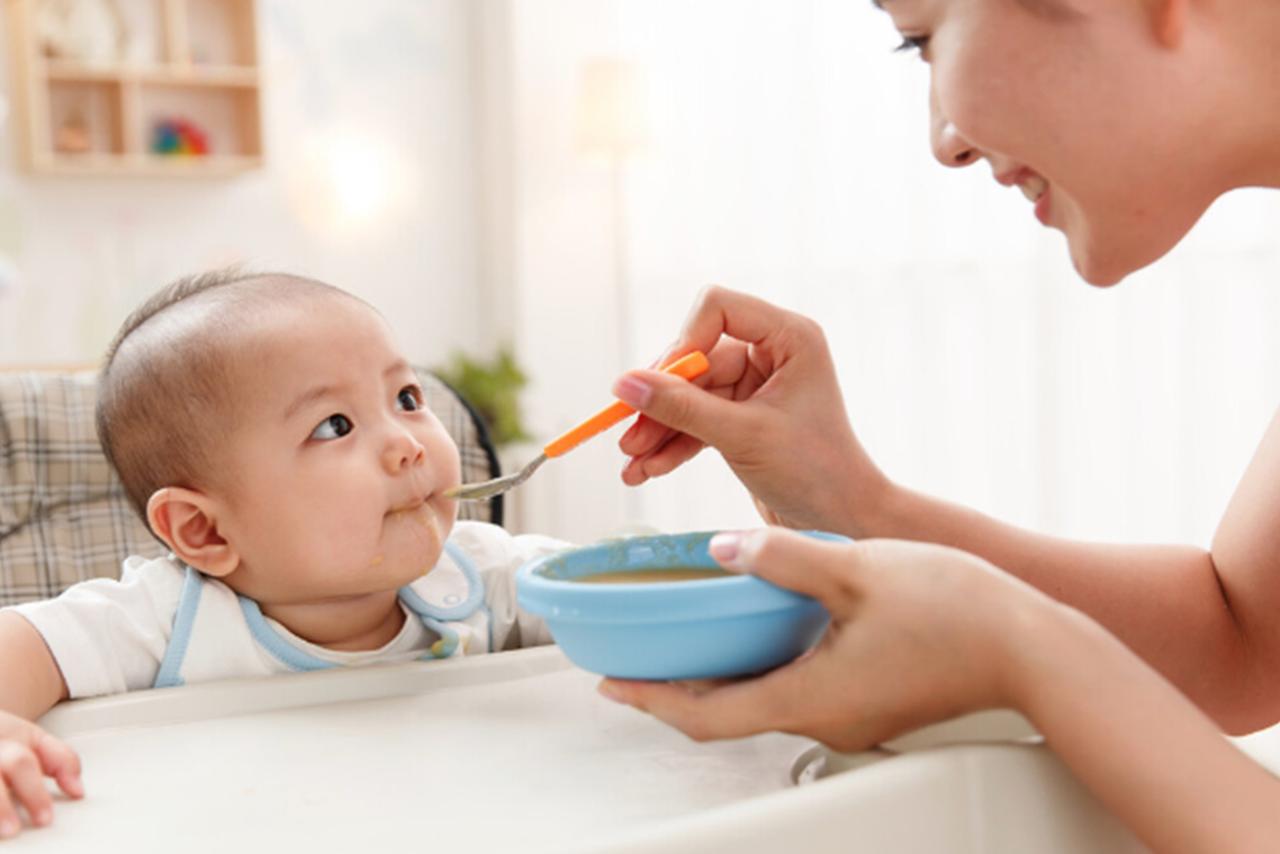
<point x="825" y="570"/>
<point x="680" y="405"/>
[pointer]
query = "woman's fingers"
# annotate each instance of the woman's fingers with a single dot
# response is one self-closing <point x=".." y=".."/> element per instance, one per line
<point x="720" y="311"/>
<point x="677" y="451"/>
<point x="685" y="408"/>
<point x="60" y="762"/>
<point x="703" y="713"/>
<point x="729" y="366"/>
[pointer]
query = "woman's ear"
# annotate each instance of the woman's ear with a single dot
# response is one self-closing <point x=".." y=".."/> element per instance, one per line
<point x="1168" y="20"/>
<point x="187" y="522"/>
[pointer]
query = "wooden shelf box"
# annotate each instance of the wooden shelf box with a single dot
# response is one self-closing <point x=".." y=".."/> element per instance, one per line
<point x="192" y="60"/>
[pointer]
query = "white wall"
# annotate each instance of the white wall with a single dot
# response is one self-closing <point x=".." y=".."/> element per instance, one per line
<point x="388" y="87"/>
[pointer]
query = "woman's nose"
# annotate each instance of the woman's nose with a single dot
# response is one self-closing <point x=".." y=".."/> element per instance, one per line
<point x="402" y="452"/>
<point x="949" y="146"/>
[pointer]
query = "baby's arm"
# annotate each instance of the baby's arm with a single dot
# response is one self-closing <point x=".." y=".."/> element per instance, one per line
<point x="30" y="681"/>
<point x="30" y="685"/>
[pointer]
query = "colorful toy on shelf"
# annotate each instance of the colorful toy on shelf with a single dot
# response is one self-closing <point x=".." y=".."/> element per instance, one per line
<point x="179" y="137"/>
<point x="72" y="136"/>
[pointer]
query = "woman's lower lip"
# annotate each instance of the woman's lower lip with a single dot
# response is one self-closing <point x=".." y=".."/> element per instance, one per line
<point x="1042" y="207"/>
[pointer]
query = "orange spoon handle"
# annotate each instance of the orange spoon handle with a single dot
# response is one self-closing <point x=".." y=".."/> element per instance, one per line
<point x="693" y="365"/>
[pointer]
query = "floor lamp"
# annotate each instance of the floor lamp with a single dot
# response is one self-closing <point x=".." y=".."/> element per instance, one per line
<point x="612" y="125"/>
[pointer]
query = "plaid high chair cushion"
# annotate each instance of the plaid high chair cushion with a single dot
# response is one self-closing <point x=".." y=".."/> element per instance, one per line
<point x="64" y="517"/>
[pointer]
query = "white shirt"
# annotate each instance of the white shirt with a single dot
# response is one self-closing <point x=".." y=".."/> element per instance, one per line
<point x="111" y="636"/>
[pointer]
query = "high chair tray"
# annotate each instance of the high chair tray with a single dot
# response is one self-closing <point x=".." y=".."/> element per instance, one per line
<point x="514" y="751"/>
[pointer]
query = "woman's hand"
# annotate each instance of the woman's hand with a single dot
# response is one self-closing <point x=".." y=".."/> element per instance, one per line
<point x="919" y="633"/>
<point x="770" y="404"/>
<point x="28" y="754"/>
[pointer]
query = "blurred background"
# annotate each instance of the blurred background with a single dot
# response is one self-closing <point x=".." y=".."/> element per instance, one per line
<point x="540" y="188"/>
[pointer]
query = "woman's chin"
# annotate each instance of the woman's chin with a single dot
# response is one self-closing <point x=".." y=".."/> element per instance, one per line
<point x="1099" y="277"/>
<point x="1106" y="266"/>
<point x="1105" y="253"/>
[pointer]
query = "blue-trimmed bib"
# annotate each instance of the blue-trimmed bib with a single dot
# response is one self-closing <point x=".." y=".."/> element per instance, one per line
<point x="212" y="621"/>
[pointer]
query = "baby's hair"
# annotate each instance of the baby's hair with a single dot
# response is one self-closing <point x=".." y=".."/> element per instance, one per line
<point x="166" y="390"/>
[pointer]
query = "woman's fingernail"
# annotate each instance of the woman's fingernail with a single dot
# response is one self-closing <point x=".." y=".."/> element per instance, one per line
<point x="726" y="547"/>
<point x="43" y="817"/>
<point x="633" y="392"/>
<point x="611" y="691"/>
<point x="9" y="827"/>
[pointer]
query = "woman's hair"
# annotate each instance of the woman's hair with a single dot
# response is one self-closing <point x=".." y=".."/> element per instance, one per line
<point x="166" y="392"/>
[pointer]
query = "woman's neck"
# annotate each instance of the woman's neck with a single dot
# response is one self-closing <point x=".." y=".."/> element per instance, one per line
<point x="1250" y="35"/>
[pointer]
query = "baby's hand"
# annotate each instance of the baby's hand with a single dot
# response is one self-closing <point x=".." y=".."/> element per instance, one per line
<point x="28" y="753"/>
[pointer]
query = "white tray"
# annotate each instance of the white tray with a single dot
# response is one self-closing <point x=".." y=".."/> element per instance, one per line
<point x="516" y="752"/>
<point x="510" y="752"/>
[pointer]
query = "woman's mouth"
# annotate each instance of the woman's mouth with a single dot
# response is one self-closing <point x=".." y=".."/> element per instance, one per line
<point x="1036" y="189"/>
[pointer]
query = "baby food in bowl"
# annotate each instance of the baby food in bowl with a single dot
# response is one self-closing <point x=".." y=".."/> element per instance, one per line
<point x="660" y="607"/>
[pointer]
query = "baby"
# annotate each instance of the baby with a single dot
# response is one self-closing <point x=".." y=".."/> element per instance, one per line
<point x="271" y="434"/>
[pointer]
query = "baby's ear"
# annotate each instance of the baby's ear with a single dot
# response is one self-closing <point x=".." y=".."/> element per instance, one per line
<point x="187" y="522"/>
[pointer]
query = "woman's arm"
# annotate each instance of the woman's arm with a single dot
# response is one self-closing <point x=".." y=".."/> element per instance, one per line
<point x="1149" y="756"/>
<point x="1168" y="603"/>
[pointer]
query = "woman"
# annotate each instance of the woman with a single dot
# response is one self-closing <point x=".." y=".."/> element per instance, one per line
<point x="1121" y="121"/>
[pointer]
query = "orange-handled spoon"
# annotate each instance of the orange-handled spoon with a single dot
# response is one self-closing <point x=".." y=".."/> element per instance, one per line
<point x="694" y="364"/>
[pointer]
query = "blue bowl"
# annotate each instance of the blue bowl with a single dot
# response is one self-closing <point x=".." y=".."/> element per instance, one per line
<point x="697" y="629"/>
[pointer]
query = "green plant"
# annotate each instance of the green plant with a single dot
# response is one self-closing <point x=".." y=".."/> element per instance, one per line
<point x="493" y="388"/>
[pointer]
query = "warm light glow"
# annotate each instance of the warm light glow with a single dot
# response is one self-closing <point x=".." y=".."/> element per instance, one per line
<point x="347" y="182"/>
<point x="612" y="118"/>
<point x="361" y="177"/>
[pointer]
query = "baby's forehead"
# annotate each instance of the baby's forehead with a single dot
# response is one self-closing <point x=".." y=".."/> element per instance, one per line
<point x="299" y="346"/>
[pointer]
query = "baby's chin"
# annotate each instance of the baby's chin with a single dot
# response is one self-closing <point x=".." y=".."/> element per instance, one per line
<point x="415" y="540"/>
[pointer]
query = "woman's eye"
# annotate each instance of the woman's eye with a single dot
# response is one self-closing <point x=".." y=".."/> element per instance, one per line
<point x="410" y="398"/>
<point x="913" y="43"/>
<point x="334" y="427"/>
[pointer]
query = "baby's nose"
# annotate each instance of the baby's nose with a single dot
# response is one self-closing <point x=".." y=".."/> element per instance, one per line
<point x="402" y="452"/>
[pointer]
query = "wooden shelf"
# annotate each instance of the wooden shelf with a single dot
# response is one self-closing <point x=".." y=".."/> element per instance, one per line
<point x="171" y="75"/>
<point x="85" y="119"/>
<point x="147" y="165"/>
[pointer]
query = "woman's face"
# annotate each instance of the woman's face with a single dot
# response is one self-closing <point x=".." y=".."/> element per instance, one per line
<point x="1081" y="105"/>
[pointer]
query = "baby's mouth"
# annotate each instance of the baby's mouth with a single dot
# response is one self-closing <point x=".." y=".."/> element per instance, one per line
<point x="410" y="506"/>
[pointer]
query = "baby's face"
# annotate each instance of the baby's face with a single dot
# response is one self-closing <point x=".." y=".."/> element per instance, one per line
<point x="335" y="472"/>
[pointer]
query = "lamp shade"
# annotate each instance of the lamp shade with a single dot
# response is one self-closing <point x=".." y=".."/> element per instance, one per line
<point x="611" y="112"/>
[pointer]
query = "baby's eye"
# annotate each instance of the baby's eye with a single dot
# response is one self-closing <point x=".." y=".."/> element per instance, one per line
<point x="919" y="44"/>
<point x="334" y="427"/>
<point x="410" y="398"/>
